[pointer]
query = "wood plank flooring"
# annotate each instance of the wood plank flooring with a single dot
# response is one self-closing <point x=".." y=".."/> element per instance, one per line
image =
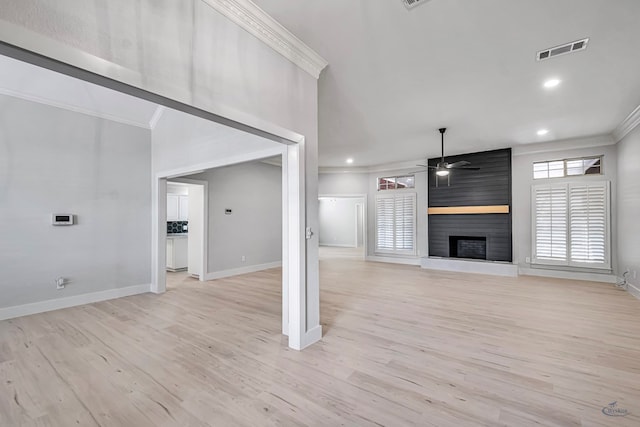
<point x="402" y="346"/>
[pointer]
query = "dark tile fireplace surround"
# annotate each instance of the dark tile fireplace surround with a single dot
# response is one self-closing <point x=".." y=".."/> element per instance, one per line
<point x="484" y="236"/>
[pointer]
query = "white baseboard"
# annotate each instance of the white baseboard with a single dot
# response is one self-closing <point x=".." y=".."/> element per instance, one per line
<point x="562" y="274"/>
<point x="393" y="260"/>
<point x="72" y="301"/>
<point x="312" y="336"/>
<point x="468" y="266"/>
<point x="242" y="270"/>
<point x="633" y="290"/>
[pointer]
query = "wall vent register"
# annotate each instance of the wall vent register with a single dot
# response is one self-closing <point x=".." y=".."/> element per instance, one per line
<point x="410" y="4"/>
<point x="563" y="49"/>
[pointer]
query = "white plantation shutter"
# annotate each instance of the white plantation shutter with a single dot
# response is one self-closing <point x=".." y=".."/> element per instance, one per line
<point x="571" y="224"/>
<point x="396" y="223"/>
<point x="550" y="216"/>
<point x="588" y="224"/>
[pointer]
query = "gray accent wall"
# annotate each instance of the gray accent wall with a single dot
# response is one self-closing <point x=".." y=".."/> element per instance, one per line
<point x="628" y="169"/>
<point x="57" y="161"/>
<point x="491" y="185"/>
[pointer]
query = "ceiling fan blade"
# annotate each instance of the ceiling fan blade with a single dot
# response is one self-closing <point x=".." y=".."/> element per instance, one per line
<point x="458" y="164"/>
<point x="461" y="168"/>
<point x="422" y="171"/>
<point x="426" y="166"/>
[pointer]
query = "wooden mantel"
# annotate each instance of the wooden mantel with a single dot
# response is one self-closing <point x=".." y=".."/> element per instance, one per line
<point x="457" y="210"/>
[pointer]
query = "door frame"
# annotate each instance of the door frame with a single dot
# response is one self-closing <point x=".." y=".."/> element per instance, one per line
<point x="364" y="214"/>
<point x="205" y="224"/>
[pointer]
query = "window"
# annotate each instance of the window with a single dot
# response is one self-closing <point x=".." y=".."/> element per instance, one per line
<point x="396" y="223"/>
<point x="567" y="167"/>
<point x="396" y="182"/>
<point x="571" y="224"/>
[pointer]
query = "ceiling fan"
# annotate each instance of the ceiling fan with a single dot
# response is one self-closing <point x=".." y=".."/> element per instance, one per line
<point x="443" y="168"/>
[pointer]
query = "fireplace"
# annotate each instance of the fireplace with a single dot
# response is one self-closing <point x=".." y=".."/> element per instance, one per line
<point x="474" y="247"/>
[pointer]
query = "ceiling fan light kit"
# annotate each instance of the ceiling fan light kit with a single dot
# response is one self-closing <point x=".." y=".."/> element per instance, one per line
<point x="444" y="168"/>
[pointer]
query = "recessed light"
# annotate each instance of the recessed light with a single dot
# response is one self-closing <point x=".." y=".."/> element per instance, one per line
<point x="542" y="132"/>
<point x="349" y="160"/>
<point x="551" y="83"/>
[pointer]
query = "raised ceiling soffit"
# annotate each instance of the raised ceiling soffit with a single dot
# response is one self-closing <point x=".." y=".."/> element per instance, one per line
<point x="257" y="22"/>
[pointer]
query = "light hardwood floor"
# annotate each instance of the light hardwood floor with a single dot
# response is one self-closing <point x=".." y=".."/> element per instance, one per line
<point x="402" y="346"/>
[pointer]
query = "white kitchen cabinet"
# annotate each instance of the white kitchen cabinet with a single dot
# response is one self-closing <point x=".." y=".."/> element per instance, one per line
<point x="177" y="253"/>
<point x="177" y="207"/>
<point x="183" y="208"/>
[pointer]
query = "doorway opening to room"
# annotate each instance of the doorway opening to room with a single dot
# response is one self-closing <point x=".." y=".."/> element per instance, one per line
<point x="186" y="230"/>
<point x="175" y="140"/>
<point x="343" y="226"/>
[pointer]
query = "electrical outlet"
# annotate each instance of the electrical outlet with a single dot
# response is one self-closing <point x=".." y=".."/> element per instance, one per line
<point x="59" y="283"/>
<point x="243" y="258"/>
<point x="527" y="260"/>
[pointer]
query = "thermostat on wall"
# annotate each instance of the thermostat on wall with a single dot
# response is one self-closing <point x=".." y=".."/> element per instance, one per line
<point x="62" y="219"/>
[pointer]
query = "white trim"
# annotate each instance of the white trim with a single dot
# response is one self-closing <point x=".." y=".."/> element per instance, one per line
<point x="563" y="274"/>
<point x="157" y="115"/>
<point x="72" y="301"/>
<point x="338" y="245"/>
<point x="633" y="290"/>
<point x="250" y="17"/>
<point x="627" y="125"/>
<point x="470" y="266"/>
<point x="563" y="145"/>
<point x="241" y="270"/>
<point x="69" y="107"/>
<point x="393" y="260"/>
<point x="205" y="220"/>
<point x="312" y="335"/>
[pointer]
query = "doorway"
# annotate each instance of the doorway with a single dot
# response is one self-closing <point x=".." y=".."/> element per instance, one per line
<point x="178" y="160"/>
<point x="343" y="225"/>
<point x="186" y="230"/>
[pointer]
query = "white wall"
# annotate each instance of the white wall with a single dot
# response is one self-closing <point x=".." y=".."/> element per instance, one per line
<point x="57" y="161"/>
<point x="338" y="221"/>
<point x="253" y="191"/>
<point x="523" y="180"/>
<point x="343" y="183"/>
<point x="189" y="52"/>
<point x="629" y="208"/>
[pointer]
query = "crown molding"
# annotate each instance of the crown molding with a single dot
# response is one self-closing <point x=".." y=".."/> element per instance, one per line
<point x="387" y="167"/>
<point x="257" y="22"/>
<point x="563" y="145"/>
<point x="627" y="125"/>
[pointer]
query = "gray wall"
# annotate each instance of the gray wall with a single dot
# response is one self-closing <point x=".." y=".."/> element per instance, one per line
<point x="523" y="180"/>
<point x="338" y="225"/>
<point x="359" y="183"/>
<point x="189" y="52"/>
<point x="56" y="161"/>
<point x="629" y="206"/>
<point x="253" y="191"/>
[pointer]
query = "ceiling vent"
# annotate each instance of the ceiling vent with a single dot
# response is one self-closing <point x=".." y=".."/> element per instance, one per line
<point x="410" y="4"/>
<point x="575" y="46"/>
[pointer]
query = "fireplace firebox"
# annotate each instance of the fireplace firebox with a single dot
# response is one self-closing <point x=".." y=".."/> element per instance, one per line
<point x="473" y="247"/>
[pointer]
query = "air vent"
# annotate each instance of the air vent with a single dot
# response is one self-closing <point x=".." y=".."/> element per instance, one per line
<point x="562" y="49"/>
<point x="410" y="4"/>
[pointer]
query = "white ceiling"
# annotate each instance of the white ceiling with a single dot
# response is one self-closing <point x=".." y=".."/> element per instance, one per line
<point x="396" y="75"/>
